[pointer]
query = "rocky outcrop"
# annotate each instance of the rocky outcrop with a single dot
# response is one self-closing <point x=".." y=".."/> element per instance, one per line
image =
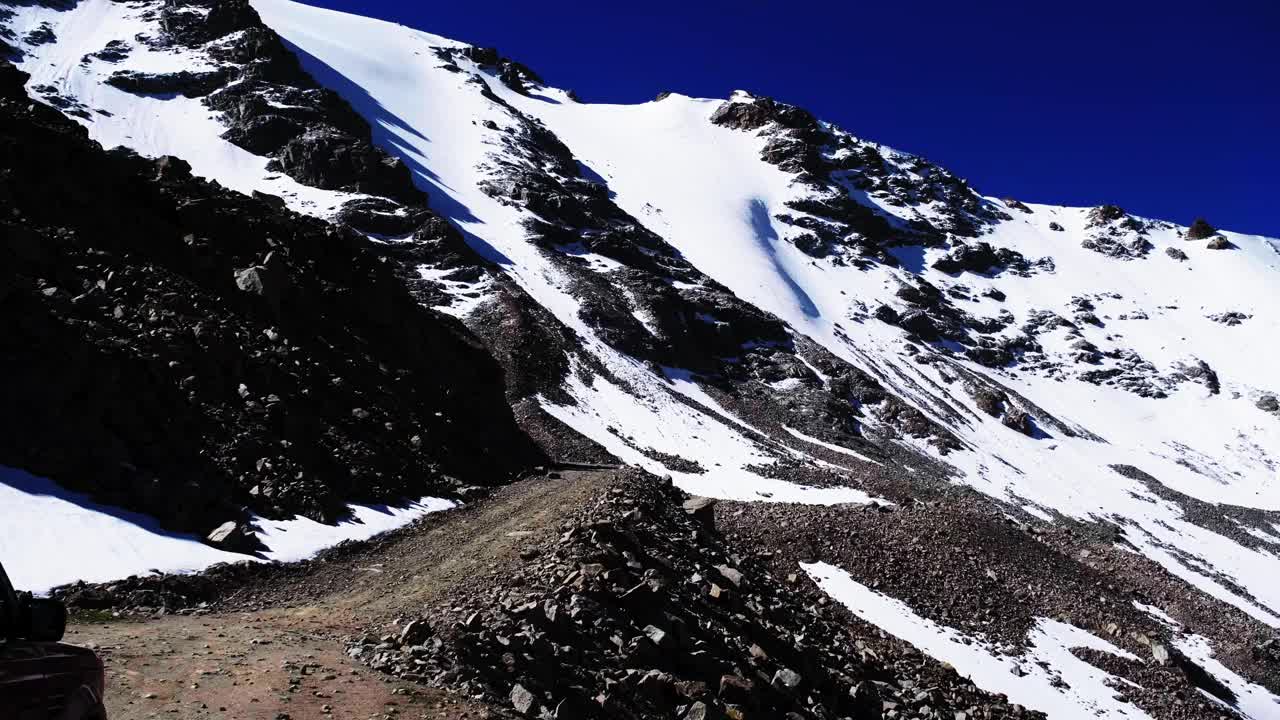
<point x="378" y="216"/>
<point x="1230" y="318"/>
<point x="333" y="160"/>
<point x="113" y="52"/>
<point x="40" y="35"/>
<point x="754" y="113"/>
<point x="1017" y="205"/>
<point x="831" y="161"/>
<point x="1201" y="230"/>
<point x="981" y="258"/>
<point x="1116" y="234"/>
<point x="517" y="76"/>
<point x="186" y="83"/>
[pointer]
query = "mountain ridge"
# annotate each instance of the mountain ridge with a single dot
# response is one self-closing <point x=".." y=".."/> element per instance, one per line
<point x="739" y="296"/>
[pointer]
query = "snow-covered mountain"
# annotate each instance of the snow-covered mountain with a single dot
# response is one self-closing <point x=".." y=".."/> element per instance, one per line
<point x="760" y="305"/>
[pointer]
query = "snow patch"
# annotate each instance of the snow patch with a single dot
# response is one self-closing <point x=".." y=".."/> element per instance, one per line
<point x="99" y="543"/>
<point x="1088" y="693"/>
<point x="1253" y="701"/>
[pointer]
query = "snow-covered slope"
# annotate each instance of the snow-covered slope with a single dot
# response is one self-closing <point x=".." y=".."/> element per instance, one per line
<point x="765" y="307"/>
<point x="437" y="120"/>
<point x="66" y="73"/>
<point x="705" y="189"/>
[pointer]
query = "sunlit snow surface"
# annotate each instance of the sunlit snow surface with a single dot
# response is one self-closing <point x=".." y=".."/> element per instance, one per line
<point x="1084" y="693"/>
<point x="50" y="537"/>
<point x="434" y="119"/>
<point x="152" y="125"/>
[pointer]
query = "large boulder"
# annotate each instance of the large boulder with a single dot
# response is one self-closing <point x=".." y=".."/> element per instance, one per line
<point x="1201" y="230"/>
<point x="268" y="280"/>
<point x="237" y="537"/>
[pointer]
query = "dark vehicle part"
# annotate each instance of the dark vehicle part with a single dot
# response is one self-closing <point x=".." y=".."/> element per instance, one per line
<point x="40" y="677"/>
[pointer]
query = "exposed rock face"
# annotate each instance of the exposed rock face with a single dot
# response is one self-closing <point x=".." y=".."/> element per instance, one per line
<point x="763" y="111"/>
<point x="377" y="216"/>
<point x="517" y="76"/>
<point x="190" y="84"/>
<point x="209" y="351"/>
<point x="336" y="161"/>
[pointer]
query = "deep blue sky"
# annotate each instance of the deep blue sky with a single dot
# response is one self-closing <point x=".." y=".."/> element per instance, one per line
<point x="1171" y="110"/>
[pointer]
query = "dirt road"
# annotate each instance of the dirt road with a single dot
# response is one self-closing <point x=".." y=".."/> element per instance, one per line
<point x="288" y="660"/>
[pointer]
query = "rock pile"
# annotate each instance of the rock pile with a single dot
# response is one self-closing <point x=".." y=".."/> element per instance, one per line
<point x="641" y="610"/>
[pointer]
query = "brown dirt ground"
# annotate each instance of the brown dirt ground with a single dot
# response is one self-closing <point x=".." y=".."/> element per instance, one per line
<point x="288" y="659"/>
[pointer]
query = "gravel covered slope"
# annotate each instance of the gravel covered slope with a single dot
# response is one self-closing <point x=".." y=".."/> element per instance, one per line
<point x="179" y="349"/>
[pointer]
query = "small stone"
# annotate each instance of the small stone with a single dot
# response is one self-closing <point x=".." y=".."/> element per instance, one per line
<point x="730" y="574"/>
<point x="786" y="679"/>
<point x="699" y="711"/>
<point x="660" y="637"/>
<point x="523" y="701"/>
<point x="1160" y="653"/>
